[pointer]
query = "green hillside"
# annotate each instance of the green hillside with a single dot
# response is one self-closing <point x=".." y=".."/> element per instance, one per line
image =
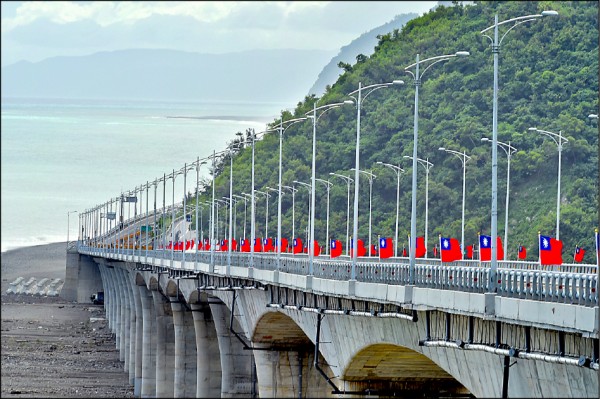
<point x="548" y="78"/>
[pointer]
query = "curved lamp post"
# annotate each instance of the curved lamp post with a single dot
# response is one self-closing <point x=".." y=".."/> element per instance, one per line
<point x="371" y="177"/>
<point x="348" y="181"/>
<point x="558" y="140"/>
<point x="413" y="213"/>
<point x="267" y="195"/>
<point x="464" y="158"/>
<point x="427" y="165"/>
<point x="495" y="42"/>
<point x="358" y="100"/>
<point x="398" y="171"/>
<point x="328" y="185"/>
<point x="309" y="188"/>
<point x="509" y="150"/>
<point x="293" y="191"/>
<point x="315" y="118"/>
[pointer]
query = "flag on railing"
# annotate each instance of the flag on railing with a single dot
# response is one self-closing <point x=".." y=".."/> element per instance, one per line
<point x="550" y="250"/>
<point x="297" y="248"/>
<point x="485" y="248"/>
<point x="522" y="252"/>
<point x="335" y="249"/>
<point x="373" y="250"/>
<point x="233" y="244"/>
<point x="224" y="245"/>
<point x="258" y="244"/>
<point x="469" y="252"/>
<point x="284" y="246"/>
<point x="245" y="245"/>
<point x="450" y="248"/>
<point x="579" y="252"/>
<point x="386" y="249"/>
<point x="362" y="251"/>
<point x="268" y="245"/>
<point x="404" y="253"/>
<point x="316" y="248"/>
<point x="435" y="251"/>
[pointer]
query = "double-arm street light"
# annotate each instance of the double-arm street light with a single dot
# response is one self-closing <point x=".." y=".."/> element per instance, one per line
<point x="509" y="150"/>
<point x="371" y="177"/>
<point x="328" y="185"/>
<point x="348" y="181"/>
<point x="558" y="140"/>
<point x="309" y="188"/>
<point x="413" y="213"/>
<point x="293" y="191"/>
<point x="398" y="171"/>
<point x="427" y="165"/>
<point x="313" y="115"/>
<point x="245" y="199"/>
<point x="357" y="96"/>
<point x="267" y="195"/>
<point x="282" y="130"/>
<point x="513" y="22"/>
<point x="464" y="158"/>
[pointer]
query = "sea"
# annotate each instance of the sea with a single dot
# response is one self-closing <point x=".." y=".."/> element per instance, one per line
<point x="61" y="157"/>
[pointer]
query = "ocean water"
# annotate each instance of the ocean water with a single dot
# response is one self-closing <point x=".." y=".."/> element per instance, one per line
<point x="59" y="156"/>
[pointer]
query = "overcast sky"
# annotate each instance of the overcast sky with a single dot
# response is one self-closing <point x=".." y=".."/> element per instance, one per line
<point x="33" y="30"/>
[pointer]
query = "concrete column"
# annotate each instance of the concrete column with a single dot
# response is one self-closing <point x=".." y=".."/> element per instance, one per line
<point x="125" y="325"/>
<point x="185" y="350"/>
<point x="113" y="272"/>
<point x="149" y="344"/>
<point x="130" y="313"/>
<point x="278" y="375"/>
<point x="122" y="312"/>
<point x="165" y="346"/>
<point x="139" y="331"/>
<point x="82" y="278"/>
<point x="208" y="370"/>
<point x="132" y="329"/>
<point x="107" y="293"/>
<point x="236" y="362"/>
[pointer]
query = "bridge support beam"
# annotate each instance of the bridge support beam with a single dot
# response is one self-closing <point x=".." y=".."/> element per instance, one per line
<point x="148" y="389"/>
<point x="165" y="346"/>
<point x="139" y="335"/>
<point x="124" y="322"/>
<point x="185" y="350"/>
<point x="128" y="311"/>
<point x="208" y="366"/>
<point x="131" y="329"/>
<point x="82" y="278"/>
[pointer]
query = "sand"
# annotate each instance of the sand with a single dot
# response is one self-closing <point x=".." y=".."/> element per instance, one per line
<point x="52" y="347"/>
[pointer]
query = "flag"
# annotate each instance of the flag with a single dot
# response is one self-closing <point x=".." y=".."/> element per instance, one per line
<point x="284" y="244"/>
<point x="233" y="244"/>
<point x="373" y="250"/>
<point x="386" y="249"/>
<point x="404" y="253"/>
<point x="316" y="248"/>
<point x="297" y="245"/>
<point x="362" y="251"/>
<point x="522" y="252"/>
<point x="499" y="249"/>
<point x="245" y="245"/>
<point x="421" y="249"/>
<point x="268" y="245"/>
<point x="435" y="251"/>
<point x="579" y="252"/>
<point x="450" y="248"/>
<point x="335" y="248"/>
<point x="469" y="251"/>
<point x="258" y="245"/>
<point x="224" y="244"/>
<point x="485" y="248"/>
<point x="206" y="244"/>
<point x="550" y="251"/>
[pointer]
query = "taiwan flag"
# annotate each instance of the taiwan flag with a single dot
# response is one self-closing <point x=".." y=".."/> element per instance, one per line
<point x="373" y="250"/>
<point x="579" y="252"/>
<point x="362" y="251"/>
<point x="404" y="253"/>
<point x="450" y="248"/>
<point x="268" y="245"/>
<point x="522" y="252"/>
<point x="224" y="245"/>
<point x="316" y="248"/>
<point x="284" y="244"/>
<point x="421" y="249"/>
<point x="206" y="244"/>
<point x="297" y="245"/>
<point x="485" y="248"/>
<point x="258" y="245"/>
<point x="386" y="249"/>
<point x="234" y="244"/>
<point x="335" y="248"/>
<point x="245" y="245"/>
<point x="550" y="251"/>
<point x="469" y="252"/>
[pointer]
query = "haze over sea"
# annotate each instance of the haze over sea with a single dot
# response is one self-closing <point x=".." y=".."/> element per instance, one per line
<point x="71" y="155"/>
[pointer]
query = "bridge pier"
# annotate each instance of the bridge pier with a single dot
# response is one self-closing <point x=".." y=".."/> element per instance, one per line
<point x="126" y="322"/>
<point x="139" y="337"/>
<point x="185" y="350"/>
<point x="148" y="389"/>
<point x="123" y="313"/>
<point x="208" y="365"/>
<point x="130" y="325"/>
<point x="165" y="346"/>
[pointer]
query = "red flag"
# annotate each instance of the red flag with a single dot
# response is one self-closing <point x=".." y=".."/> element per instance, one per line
<point x="234" y="244"/>
<point x="421" y="250"/>
<point x="550" y="251"/>
<point x="206" y="244"/>
<point x="435" y="251"/>
<point x="404" y="253"/>
<point x="245" y="245"/>
<point x="485" y="248"/>
<point x="268" y="245"/>
<point x="362" y="251"/>
<point x="373" y="250"/>
<point x="450" y="249"/>
<point x="499" y="249"/>
<point x="258" y="244"/>
<point x="224" y="244"/>
<point x="335" y="248"/>
<point x="469" y="251"/>
<point x="386" y="249"/>
<point x="170" y="245"/>
<point x="579" y="252"/>
<point x="522" y="252"/>
<point x="316" y="249"/>
<point x="297" y="245"/>
<point x="284" y="244"/>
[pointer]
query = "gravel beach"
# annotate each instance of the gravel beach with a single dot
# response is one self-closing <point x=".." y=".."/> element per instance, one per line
<point x="52" y="347"/>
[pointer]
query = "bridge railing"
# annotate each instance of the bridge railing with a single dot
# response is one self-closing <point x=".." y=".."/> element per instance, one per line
<point x="515" y="279"/>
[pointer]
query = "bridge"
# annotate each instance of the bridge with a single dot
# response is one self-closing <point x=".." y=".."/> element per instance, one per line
<point x="207" y="323"/>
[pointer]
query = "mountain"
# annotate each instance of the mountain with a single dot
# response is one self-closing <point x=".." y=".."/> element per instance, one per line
<point x="364" y="44"/>
<point x="168" y="75"/>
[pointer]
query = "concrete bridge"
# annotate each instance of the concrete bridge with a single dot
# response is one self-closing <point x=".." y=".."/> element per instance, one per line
<point x="218" y="324"/>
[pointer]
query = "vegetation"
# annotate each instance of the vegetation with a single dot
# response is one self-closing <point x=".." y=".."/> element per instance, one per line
<point x="548" y="78"/>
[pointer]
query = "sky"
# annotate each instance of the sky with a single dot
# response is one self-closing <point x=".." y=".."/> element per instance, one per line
<point x="36" y="30"/>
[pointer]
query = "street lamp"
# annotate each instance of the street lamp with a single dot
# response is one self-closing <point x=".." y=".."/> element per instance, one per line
<point x="508" y="150"/>
<point x="328" y="185"/>
<point x="348" y="181"/>
<point x="496" y="50"/>
<point x="427" y="165"/>
<point x="413" y="213"/>
<point x="69" y="226"/>
<point x="315" y="118"/>
<point x="558" y="140"/>
<point x="371" y="177"/>
<point x="358" y="100"/>
<point x="267" y="195"/>
<point x="245" y="198"/>
<point x="398" y="171"/>
<point x="309" y="188"/>
<point x="293" y="191"/>
<point x="464" y="158"/>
